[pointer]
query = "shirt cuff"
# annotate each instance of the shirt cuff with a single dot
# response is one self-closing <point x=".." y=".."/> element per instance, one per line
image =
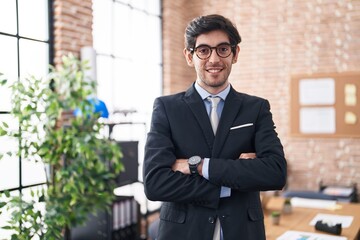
<point x="225" y="192"/>
<point x="205" y="168"/>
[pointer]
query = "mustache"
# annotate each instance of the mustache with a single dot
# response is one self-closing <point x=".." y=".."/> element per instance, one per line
<point x="216" y="65"/>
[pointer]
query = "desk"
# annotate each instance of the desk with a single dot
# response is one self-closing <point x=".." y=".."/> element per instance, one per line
<point x="300" y="218"/>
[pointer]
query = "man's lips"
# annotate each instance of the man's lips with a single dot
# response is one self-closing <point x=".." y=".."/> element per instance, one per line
<point x="214" y="70"/>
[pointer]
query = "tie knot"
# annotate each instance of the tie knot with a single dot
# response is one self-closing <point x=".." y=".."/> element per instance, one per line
<point x="214" y="101"/>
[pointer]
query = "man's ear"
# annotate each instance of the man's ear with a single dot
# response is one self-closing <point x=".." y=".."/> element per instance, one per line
<point x="188" y="57"/>
<point x="236" y="54"/>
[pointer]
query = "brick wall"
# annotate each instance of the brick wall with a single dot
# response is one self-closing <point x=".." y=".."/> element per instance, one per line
<point x="72" y="27"/>
<point x="280" y="38"/>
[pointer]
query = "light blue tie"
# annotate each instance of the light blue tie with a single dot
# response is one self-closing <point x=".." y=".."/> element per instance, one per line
<point x="214" y="118"/>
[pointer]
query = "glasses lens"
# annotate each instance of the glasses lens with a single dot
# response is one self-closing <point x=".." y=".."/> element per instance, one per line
<point x="223" y="50"/>
<point x="203" y="51"/>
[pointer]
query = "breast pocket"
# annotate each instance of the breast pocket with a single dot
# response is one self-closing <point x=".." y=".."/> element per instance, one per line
<point x="172" y="213"/>
<point x="242" y="139"/>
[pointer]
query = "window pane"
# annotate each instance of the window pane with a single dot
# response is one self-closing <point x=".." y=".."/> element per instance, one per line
<point x="105" y="76"/>
<point x="139" y="21"/>
<point x="8" y="53"/>
<point x="124" y="47"/>
<point x="8" y="66"/>
<point x="154" y="7"/>
<point x="102" y="10"/>
<point x="9" y="166"/>
<point x="33" y="19"/>
<point x="26" y="193"/>
<point x="9" y="170"/>
<point x="123" y="87"/>
<point x="33" y="169"/>
<point x="151" y="87"/>
<point x="8" y="16"/>
<point x="33" y="172"/>
<point x="124" y="1"/>
<point x="140" y="4"/>
<point x="5" y="94"/>
<point x="34" y="58"/>
<point x="153" y="43"/>
<point x="4" y="218"/>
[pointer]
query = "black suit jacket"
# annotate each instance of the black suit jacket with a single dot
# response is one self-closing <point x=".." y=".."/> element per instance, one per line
<point x="181" y="128"/>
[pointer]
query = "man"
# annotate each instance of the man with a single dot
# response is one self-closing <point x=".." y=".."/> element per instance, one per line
<point x="208" y="164"/>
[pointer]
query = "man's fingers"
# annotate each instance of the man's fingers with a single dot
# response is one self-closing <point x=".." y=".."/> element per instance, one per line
<point x="248" y="155"/>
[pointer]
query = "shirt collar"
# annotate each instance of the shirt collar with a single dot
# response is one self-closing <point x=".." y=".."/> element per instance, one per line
<point x="204" y="94"/>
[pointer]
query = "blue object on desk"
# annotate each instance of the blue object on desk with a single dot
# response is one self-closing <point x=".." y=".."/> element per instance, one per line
<point x="99" y="107"/>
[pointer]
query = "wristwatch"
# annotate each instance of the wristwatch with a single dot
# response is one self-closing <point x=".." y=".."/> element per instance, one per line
<point x="194" y="162"/>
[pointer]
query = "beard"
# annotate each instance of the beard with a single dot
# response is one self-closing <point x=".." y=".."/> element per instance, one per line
<point x="214" y="84"/>
<point x="214" y="80"/>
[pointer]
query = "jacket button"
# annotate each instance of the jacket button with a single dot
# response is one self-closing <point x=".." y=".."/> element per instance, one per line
<point x="211" y="220"/>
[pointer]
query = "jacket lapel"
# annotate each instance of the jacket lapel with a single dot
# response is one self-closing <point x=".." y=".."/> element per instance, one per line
<point x="231" y="109"/>
<point x="196" y="105"/>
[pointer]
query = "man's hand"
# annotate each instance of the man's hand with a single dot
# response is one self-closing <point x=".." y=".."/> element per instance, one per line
<point x="248" y="155"/>
<point x="182" y="165"/>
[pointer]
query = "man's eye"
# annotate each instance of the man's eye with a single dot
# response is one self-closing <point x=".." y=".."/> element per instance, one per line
<point x="203" y="50"/>
<point x="223" y="49"/>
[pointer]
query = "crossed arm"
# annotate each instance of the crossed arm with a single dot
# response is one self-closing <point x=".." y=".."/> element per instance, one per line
<point x="182" y="165"/>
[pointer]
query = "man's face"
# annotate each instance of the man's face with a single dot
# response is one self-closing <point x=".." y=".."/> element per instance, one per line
<point x="212" y="73"/>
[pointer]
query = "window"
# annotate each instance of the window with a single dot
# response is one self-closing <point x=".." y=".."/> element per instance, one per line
<point x="127" y="39"/>
<point x="24" y="50"/>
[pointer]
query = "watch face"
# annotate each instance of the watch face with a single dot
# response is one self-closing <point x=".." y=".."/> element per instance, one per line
<point x="194" y="160"/>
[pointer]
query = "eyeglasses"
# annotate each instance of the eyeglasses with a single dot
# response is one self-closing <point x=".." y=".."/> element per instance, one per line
<point x="204" y="51"/>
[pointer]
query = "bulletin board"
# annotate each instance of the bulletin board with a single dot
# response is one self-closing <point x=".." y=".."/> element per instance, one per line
<point x="325" y="105"/>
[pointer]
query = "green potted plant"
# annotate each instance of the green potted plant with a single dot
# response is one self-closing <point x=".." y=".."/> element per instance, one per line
<point x="83" y="162"/>
<point x="287" y="208"/>
<point x="275" y="217"/>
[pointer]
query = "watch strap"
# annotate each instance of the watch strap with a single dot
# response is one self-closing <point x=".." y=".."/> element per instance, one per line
<point x="193" y="169"/>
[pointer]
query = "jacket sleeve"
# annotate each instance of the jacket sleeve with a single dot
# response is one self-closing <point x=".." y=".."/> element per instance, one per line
<point x="160" y="182"/>
<point x="266" y="172"/>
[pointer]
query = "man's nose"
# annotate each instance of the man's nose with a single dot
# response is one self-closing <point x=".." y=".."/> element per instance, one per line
<point x="214" y="57"/>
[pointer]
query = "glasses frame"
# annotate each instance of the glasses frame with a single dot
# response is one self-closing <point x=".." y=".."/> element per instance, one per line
<point x="193" y="50"/>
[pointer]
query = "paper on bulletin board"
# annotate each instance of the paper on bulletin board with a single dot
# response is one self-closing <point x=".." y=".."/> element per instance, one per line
<point x="317" y="120"/>
<point x="350" y="95"/>
<point x="320" y="91"/>
<point x="350" y="118"/>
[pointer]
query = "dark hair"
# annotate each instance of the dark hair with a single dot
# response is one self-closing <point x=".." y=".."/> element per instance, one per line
<point x="205" y="24"/>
